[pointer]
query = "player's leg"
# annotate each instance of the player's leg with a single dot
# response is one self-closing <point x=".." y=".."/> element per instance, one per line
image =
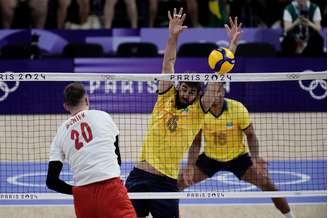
<point x="62" y="12"/>
<point x="192" y="7"/>
<point x="198" y="176"/>
<point x="39" y="10"/>
<point x="131" y="8"/>
<point x="153" y="7"/>
<point x="7" y="9"/>
<point x="84" y="202"/>
<point x="113" y="200"/>
<point x="261" y="179"/>
<point x="168" y="208"/>
<point x="138" y="181"/>
<point x="204" y="168"/>
<point x="164" y="208"/>
<point x="109" y="13"/>
<point x="84" y="10"/>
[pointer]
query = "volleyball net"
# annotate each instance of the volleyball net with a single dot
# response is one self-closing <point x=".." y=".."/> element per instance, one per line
<point x="288" y="112"/>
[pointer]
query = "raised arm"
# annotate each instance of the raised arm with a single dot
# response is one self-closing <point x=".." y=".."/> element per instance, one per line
<point x="233" y="32"/>
<point x="253" y="145"/>
<point x="175" y="28"/>
<point x="194" y="150"/>
<point x="252" y="141"/>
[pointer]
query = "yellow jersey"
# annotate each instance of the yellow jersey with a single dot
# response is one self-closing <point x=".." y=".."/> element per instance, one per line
<point x="170" y="133"/>
<point x="224" y="134"/>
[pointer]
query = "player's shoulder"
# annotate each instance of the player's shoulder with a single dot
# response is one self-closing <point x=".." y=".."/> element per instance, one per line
<point x="234" y="104"/>
<point x="169" y="91"/>
<point x="232" y="101"/>
<point x="98" y="113"/>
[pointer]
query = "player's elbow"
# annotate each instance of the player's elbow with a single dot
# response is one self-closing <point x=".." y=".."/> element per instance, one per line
<point x="52" y="182"/>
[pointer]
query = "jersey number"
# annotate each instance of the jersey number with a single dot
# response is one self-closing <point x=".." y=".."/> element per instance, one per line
<point x="86" y="134"/>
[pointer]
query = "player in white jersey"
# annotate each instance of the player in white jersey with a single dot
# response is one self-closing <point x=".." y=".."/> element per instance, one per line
<point x="88" y="140"/>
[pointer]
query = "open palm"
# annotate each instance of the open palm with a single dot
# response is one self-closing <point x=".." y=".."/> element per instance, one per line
<point x="233" y="30"/>
<point x="176" y="22"/>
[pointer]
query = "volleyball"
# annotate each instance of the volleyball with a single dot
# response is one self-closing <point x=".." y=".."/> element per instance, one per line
<point x="221" y="60"/>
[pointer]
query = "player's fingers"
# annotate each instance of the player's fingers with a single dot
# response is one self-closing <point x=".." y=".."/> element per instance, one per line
<point x="239" y="26"/>
<point x="227" y="28"/>
<point x="169" y="15"/>
<point x="185" y="179"/>
<point x="230" y="22"/>
<point x="183" y="18"/>
<point x="174" y="12"/>
<point x="236" y="21"/>
<point x="180" y="11"/>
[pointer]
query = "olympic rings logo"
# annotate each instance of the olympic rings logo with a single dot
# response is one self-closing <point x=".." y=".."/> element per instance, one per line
<point x="7" y="90"/>
<point x="314" y="84"/>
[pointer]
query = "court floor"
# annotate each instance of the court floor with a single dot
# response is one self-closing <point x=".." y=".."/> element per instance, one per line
<point x="25" y="178"/>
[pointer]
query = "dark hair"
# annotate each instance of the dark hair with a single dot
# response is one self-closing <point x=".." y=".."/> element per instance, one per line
<point x="197" y="85"/>
<point x="73" y="93"/>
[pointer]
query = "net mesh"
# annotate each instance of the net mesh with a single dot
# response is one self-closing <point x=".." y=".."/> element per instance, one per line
<point x="288" y="114"/>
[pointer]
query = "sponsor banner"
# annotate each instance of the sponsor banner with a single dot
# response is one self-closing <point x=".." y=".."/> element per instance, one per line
<point x="139" y="97"/>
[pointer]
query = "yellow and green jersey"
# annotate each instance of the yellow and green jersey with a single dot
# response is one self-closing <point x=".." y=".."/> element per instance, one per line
<point x="224" y="134"/>
<point x="171" y="131"/>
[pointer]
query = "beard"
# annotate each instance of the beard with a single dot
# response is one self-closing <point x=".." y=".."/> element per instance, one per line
<point x="181" y="104"/>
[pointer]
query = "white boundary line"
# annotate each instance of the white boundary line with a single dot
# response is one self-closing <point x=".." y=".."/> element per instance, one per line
<point x="246" y="204"/>
<point x="200" y="77"/>
<point x="31" y="204"/>
<point x="171" y="195"/>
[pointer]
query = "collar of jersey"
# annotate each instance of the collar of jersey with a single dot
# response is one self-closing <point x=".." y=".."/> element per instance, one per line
<point x="224" y="108"/>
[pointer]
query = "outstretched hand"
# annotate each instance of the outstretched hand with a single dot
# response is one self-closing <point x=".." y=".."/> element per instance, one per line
<point x="233" y="30"/>
<point x="176" y="22"/>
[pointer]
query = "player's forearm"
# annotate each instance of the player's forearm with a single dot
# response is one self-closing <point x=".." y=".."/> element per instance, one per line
<point x="193" y="154"/>
<point x="168" y="62"/>
<point x="233" y="47"/>
<point x="170" y="54"/>
<point x="288" y="26"/>
<point x="194" y="150"/>
<point x="253" y="145"/>
<point x="53" y="182"/>
<point x="315" y="26"/>
<point x="59" y="186"/>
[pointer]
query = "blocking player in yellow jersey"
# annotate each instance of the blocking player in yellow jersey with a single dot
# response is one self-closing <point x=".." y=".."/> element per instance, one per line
<point x="224" y="126"/>
<point x="174" y="123"/>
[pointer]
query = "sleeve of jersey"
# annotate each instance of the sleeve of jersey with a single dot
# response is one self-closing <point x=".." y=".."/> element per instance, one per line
<point x="170" y="91"/>
<point x="287" y="16"/>
<point x="244" y="119"/>
<point x="56" y="153"/>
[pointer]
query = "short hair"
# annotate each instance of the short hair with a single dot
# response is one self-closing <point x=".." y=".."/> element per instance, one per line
<point x="197" y="85"/>
<point x="73" y="93"/>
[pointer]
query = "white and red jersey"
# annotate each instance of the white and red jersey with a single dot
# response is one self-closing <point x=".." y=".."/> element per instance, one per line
<point x="86" y="141"/>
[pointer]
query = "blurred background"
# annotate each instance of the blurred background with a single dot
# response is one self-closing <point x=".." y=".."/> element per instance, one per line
<point x="129" y="36"/>
<point x="36" y="29"/>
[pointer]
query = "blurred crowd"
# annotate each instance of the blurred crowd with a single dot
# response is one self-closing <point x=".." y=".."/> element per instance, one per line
<point x="89" y="14"/>
<point x="301" y="20"/>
